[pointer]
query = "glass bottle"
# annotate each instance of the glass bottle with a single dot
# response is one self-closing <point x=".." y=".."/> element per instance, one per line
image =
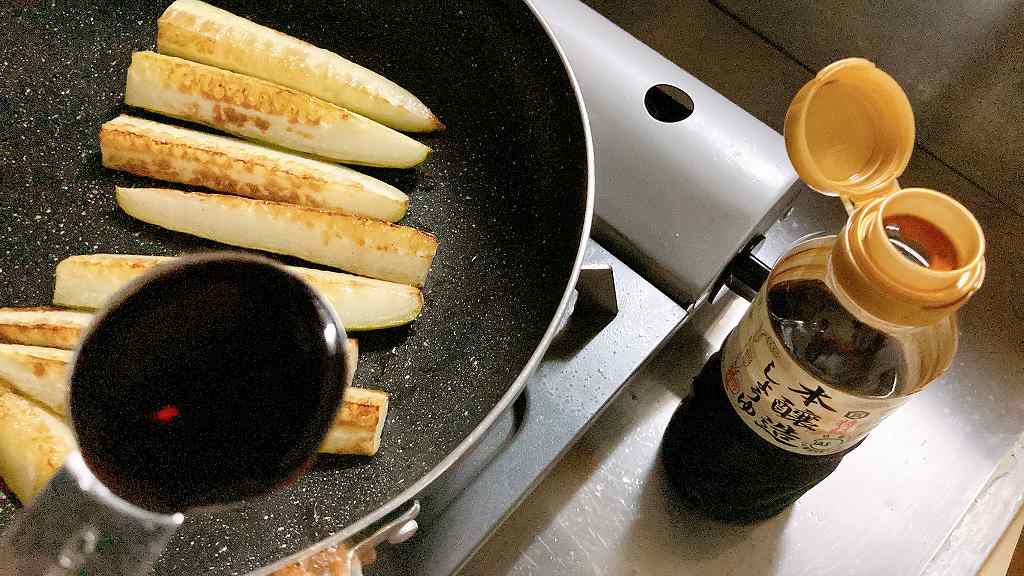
<point x="847" y="327"/>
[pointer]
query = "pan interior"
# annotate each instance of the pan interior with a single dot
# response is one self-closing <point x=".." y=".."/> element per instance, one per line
<point x="504" y="191"/>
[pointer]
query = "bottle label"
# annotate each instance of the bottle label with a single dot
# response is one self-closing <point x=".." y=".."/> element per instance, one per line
<point x="785" y="404"/>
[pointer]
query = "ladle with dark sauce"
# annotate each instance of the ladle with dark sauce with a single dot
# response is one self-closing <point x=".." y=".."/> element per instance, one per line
<point x="210" y="381"/>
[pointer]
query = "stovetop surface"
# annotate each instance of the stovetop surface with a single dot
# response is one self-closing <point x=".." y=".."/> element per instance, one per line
<point x="929" y="492"/>
<point x="586" y="367"/>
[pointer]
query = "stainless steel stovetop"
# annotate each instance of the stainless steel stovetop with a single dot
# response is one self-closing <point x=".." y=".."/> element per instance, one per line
<point x="686" y="183"/>
<point x="685" y="179"/>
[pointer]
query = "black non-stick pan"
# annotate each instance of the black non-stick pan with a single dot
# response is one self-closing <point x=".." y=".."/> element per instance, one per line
<point x="506" y="191"/>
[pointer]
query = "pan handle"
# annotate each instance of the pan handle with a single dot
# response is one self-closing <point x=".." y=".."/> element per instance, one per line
<point x="346" y="560"/>
<point x="77" y="526"/>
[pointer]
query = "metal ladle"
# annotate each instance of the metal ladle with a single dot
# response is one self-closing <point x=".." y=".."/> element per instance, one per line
<point x="227" y="333"/>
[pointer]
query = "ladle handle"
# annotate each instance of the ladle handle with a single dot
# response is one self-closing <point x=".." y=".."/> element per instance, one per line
<point x="77" y="526"/>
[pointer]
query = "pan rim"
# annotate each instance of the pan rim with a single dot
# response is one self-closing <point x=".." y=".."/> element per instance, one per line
<point x="519" y="384"/>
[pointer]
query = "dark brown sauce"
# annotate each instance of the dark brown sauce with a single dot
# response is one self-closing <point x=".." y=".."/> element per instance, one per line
<point x="831" y="343"/>
<point x="929" y="242"/>
<point x="725" y="470"/>
<point x="207" y="386"/>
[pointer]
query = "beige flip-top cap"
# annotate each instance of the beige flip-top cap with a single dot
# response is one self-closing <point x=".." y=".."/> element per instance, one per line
<point x="850" y="131"/>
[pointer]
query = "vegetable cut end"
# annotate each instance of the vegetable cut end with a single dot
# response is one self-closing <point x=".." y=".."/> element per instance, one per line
<point x="359" y="424"/>
<point x="33" y="445"/>
<point x="37" y="373"/>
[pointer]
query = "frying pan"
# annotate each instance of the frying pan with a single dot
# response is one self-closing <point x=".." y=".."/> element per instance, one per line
<point x="507" y="191"/>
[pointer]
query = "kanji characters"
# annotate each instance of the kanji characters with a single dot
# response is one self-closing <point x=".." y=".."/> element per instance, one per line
<point x="781" y="432"/>
<point x="816" y="396"/>
<point x="746" y="404"/>
<point x="801" y="418"/>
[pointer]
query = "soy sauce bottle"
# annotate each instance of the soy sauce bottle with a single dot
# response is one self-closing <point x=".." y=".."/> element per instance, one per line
<point x="847" y="327"/>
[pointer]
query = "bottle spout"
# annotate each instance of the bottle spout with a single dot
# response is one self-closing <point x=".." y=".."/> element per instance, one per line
<point x="911" y="257"/>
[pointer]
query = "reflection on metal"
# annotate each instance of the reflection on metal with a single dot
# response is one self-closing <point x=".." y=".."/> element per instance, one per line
<point x="972" y="540"/>
<point x="346" y="560"/>
<point x="399" y="530"/>
<point x="78" y="526"/>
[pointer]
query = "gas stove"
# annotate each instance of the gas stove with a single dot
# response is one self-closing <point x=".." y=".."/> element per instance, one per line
<point x="687" y="183"/>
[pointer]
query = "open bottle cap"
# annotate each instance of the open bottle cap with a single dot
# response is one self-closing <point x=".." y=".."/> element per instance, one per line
<point x="850" y="131"/>
<point x="908" y="257"/>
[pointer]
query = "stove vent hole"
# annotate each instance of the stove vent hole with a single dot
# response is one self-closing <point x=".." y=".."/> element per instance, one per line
<point x="666" y="103"/>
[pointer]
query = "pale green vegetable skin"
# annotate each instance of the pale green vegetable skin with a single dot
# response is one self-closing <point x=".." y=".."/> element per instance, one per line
<point x="263" y="111"/>
<point x="198" y="31"/>
<point x="89" y="281"/>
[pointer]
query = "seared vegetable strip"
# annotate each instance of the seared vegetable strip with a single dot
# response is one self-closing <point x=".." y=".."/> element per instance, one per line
<point x="49" y="327"/>
<point x="358" y="424"/>
<point x="264" y="111"/>
<point x="33" y="444"/>
<point x="203" y="33"/>
<point x="360" y="419"/>
<point x="40" y="374"/>
<point x="47" y="320"/>
<point x="367" y="247"/>
<point x="361" y="303"/>
<point x="37" y="373"/>
<point x="234" y="166"/>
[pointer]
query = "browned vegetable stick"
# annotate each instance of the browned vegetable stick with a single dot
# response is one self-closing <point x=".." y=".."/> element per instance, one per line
<point x="234" y="166"/>
<point x="368" y="247"/>
<point x="49" y="327"/>
<point x="33" y="444"/>
<point x="260" y="110"/>
<point x="41" y="375"/>
<point x="56" y="328"/>
<point x="88" y="281"/>
<point x="37" y="373"/>
<point x="358" y="425"/>
<point x="197" y="31"/>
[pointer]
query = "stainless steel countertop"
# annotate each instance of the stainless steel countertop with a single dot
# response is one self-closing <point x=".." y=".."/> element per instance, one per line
<point x="891" y="508"/>
<point x="593" y="355"/>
